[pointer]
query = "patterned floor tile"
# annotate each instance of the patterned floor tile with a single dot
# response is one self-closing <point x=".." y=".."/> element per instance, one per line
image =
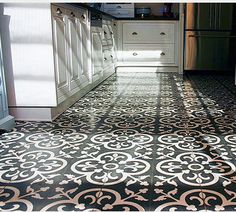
<point x="139" y="142"/>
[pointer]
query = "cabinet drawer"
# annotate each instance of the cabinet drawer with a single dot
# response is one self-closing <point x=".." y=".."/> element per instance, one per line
<point x="148" y="32"/>
<point x="121" y="13"/>
<point x="108" y="57"/>
<point x="107" y="35"/>
<point x="118" y="6"/>
<point x="163" y="53"/>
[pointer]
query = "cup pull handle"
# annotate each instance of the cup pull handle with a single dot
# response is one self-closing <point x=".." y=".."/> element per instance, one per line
<point x="134" y="33"/>
<point x="163" y="54"/>
<point x="135" y="54"/>
<point x="83" y="17"/>
<point x="59" y="12"/>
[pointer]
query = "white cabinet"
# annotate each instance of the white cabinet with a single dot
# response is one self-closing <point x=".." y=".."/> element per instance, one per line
<point x="77" y="49"/>
<point x="109" y="48"/>
<point x="71" y="53"/>
<point x="162" y="53"/>
<point x="60" y="50"/>
<point x="103" y="51"/>
<point x="148" y="32"/>
<point x="97" y="53"/>
<point x="51" y="53"/>
<point x="119" y="10"/>
<point x="149" y="43"/>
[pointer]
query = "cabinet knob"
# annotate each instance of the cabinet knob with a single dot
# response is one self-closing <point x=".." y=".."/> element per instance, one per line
<point x="83" y="17"/>
<point x="134" y="33"/>
<point x="111" y="56"/>
<point x="114" y="24"/>
<point x="111" y="33"/>
<point x="118" y="7"/>
<point x="72" y="15"/>
<point x="162" y="54"/>
<point x="135" y="54"/>
<point x="105" y="32"/>
<point x="59" y="12"/>
<point x="162" y="33"/>
<point x="105" y="58"/>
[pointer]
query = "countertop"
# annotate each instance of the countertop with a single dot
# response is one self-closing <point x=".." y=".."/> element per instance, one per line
<point x="91" y="9"/>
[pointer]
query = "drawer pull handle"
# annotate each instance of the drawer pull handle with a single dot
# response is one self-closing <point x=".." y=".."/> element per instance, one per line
<point x="162" y="54"/>
<point x="162" y="33"/>
<point x="83" y="17"/>
<point x="135" y="54"/>
<point x="59" y="12"/>
<point x="134" y="33"/>
<point x="118" y="7"/>
<point x="105" y="58"/>
<point x="72" y="15"/>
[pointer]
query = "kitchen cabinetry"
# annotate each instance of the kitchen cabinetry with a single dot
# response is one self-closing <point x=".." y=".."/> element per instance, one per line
<point x="97" y="53"/>
<point x="103" y="48"/>
<point x="70" y="35"/>
<point x="125" y="10"/>
<point x="50" y="53"/>
<point x="109" y="49"/>
<point x="149" y="43"/>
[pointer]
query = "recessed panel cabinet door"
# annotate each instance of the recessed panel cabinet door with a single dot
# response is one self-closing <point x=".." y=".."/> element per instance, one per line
<point x="75" y="52"/>
<point x="97" y="55"/>
<point x="85" y="46"/>
<point x="59" y="34"/>
<point x="78" y="55"/>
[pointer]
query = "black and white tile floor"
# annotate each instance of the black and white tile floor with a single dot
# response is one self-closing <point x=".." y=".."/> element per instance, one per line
<point x="138" y="142"/>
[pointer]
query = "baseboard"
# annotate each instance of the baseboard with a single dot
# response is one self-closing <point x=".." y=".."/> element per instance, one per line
<point x="147" y="69"/>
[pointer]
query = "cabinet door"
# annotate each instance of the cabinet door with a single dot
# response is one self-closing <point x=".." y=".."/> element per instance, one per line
<point x="78" y="79"/>
<point x="85" y="46"/>
<point x="59" y="37"/>
<point x="97" y="54"/>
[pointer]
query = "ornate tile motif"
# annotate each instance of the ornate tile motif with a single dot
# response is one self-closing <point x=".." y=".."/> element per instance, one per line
<point x="138" y="142"/>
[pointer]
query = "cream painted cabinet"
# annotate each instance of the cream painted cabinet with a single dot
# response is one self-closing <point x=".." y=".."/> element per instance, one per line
<point x="109" y="48"/>
<point x="97" y="53"/>
<point x="150" y="32"/>
<point x="60" y="50"/>
<point x="51" y="57"/>
<point x="78" y="54"/>
<point x="71" y="41"/>
<point x="149" y="43"/>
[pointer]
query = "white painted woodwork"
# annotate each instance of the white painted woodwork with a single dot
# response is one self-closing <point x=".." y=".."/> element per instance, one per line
<point x="160" y="53"/>
<point x="61" y="56"/>
<point x="78" y="77"/>
<point x="148" y="43"/>
<point x="148" y="32"/>
<point x="97" y="53"/>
